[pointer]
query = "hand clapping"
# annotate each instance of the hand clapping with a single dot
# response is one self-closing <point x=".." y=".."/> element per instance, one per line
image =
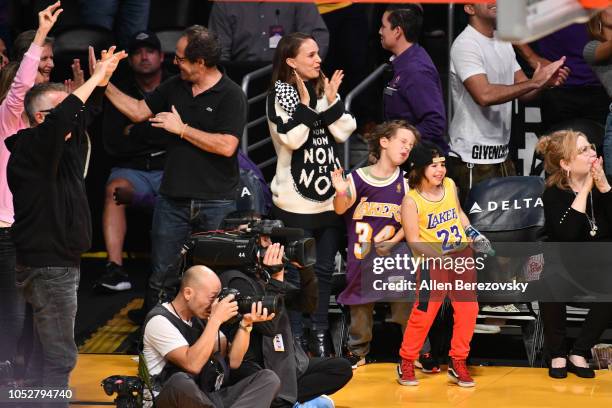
<point x="169" y="121"/>
<point x="332" y="85"/>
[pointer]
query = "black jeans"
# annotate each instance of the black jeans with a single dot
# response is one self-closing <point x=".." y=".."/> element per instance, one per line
<point x="12" y="304"/>
<point x="323" y="376"/>
<point x="52" y="292"/>
<point x="328" y="242"/>
<point x="580" y="102"/>
<point x="554" y="319"/>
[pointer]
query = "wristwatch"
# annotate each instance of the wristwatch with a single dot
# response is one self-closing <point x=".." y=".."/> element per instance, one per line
<point x="246" y="328"/>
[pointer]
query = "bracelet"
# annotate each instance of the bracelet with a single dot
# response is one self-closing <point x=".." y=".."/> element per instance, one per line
<point x="183" y="130"/>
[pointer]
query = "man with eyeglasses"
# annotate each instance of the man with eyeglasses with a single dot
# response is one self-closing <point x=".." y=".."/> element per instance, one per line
<point x="205" y="113"/>
<point x="52" y="228"/>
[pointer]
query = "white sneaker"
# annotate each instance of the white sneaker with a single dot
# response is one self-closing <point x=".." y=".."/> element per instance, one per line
<point x="486" y="329"/>
<point x="510" y="312"/>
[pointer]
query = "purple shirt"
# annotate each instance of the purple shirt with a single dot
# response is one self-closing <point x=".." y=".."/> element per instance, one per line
<point x="366" y="219"/>
<point x="415" y="95"/>
<point x="569" y="42"/>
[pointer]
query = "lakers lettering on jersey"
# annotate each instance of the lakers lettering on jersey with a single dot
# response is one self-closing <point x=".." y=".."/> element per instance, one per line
<point x="376" y="214"/>
<point x="439" y="222"/>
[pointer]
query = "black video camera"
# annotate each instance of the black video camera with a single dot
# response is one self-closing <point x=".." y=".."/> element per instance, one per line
<point x="241" y="249"/>
<point x="128" y="389"/>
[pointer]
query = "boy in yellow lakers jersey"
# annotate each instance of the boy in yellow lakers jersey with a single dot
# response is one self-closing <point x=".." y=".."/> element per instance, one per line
<point x="435" y="228"/>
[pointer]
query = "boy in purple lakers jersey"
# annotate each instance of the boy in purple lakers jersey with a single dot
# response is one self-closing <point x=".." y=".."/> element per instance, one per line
<point x="370" y="199"/>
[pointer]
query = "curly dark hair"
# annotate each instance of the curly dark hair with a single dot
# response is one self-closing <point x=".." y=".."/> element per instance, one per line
<point x="202" y="44"/>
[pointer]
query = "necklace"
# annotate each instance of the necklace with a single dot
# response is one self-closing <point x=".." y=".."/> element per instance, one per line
<point x="177" y="313"/>
<point x="591" y="219"/>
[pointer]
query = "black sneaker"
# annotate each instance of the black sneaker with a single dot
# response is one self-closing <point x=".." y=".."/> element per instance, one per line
<point x="113" y="280"/>
<point x="428" y="364"/>
<point x="355" y="359"/>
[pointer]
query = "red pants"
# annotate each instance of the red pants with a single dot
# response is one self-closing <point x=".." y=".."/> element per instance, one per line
<point x="465" y="311"/>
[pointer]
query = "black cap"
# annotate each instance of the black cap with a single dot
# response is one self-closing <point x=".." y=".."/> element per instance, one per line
<point x="423" y="154"/>
<point x="144" y="39"/>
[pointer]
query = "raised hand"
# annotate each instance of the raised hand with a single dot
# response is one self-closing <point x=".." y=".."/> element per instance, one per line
<point x="301" y="88"/>
<point x="258" y="314"/>
<point x="599" y="176"/>
<point x="46" y="20"/>
<point x="332" y="85"/>
<point x="549" y="75"/>
<point x="169" y="121"/>
<point x="78" y="77"/>
<point x="105" y="67"/>
<point x="338" y="180"/>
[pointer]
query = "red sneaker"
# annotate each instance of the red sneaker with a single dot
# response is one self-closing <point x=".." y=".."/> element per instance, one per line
<point x="405" y="373"/>
<point x="459" y="374"/>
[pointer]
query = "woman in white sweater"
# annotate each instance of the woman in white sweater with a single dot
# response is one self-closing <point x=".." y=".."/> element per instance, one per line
<point x="307" y="119"/>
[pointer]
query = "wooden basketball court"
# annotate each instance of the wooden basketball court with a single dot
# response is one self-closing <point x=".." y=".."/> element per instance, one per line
<point x="374" y="386"/>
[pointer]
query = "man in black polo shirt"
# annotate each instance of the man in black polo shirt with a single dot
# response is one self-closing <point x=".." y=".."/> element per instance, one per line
<point x="205" y="112"/>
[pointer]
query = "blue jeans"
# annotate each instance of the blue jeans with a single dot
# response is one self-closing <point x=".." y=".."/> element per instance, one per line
<point x="328" y="242"/>
<point x="12" y="305"/>
<point x="52" y="292"/>
<point x="125" y="17"/>
<point x="173" y="222"/>
<point x="607" y="144"/>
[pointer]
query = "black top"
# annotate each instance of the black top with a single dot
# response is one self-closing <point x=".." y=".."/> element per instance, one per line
<point x="191" y="172"/>
<point x="144" y="147"/>
<point x="564" y="224"/>
<point x="292" y="362"/>
<point x="46" y="176"/>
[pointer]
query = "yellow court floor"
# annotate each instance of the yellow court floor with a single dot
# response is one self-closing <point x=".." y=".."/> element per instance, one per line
<point x="374" y="386"/>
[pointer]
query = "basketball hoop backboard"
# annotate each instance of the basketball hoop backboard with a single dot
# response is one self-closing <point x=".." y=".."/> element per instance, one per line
<point x="523" y="21"/>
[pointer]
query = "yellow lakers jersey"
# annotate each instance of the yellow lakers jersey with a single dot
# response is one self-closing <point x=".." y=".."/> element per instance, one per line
<point x="439" y="222"/>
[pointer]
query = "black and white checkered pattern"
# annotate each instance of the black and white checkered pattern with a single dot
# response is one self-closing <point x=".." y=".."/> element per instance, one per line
<point x="286" y="96"/>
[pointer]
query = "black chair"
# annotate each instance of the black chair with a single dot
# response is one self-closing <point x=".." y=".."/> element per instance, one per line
<point x="74" y="43"/>
<point x="176" y="14"/>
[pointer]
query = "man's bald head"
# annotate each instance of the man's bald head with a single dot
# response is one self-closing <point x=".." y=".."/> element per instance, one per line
<point x="199" y="288"/>
<point x="200" y="277"/>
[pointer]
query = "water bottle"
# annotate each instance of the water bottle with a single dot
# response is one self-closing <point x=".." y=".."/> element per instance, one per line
<point x="480" y="243"/>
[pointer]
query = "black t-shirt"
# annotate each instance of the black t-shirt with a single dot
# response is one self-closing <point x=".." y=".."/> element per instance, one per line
<point x="191" y="172"/>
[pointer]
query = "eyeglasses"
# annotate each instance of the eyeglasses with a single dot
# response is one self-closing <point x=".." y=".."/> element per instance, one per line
<point x="586" y="148"/>
<point x="46" y="110"/>
<point x="179" y="60"/>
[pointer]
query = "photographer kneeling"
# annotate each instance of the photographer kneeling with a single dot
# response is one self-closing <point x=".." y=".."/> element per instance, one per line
<point x="305" y="381"/>
<point x="186" y="353"/>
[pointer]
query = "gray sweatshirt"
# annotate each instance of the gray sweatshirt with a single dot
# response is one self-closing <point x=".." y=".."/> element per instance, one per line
<point x="602" y="70"/>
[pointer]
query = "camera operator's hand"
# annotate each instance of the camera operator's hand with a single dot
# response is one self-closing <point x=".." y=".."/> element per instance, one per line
<point x="223" y="310"/>
<point x="258" y="314"/>
<point x="274" y="257"/>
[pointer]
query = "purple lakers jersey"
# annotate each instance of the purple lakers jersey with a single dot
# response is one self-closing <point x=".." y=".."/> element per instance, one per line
<point x="374" y="217"/>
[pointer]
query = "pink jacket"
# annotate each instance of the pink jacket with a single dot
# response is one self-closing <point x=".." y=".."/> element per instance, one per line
<point x="11" y="122"/>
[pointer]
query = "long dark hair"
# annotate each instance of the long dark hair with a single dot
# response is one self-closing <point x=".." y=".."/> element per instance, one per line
<point x="288" y="47"/>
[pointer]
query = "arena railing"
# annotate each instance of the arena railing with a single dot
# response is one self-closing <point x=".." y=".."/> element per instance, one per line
<point x="246" y="83"/>
<point x="363" y="85"/>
